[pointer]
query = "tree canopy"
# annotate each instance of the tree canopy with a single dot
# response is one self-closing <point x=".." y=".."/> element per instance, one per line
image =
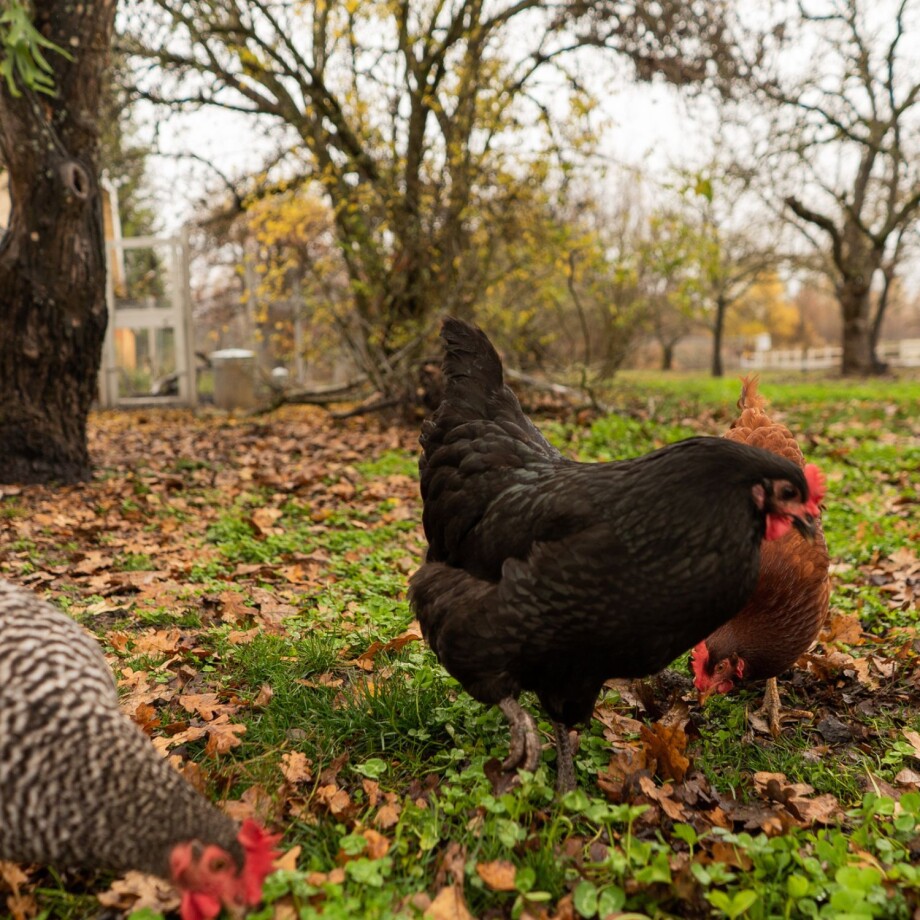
<point x="422" y="122"/>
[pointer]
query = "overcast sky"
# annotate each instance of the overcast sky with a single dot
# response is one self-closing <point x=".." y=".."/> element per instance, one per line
<point x="650" y="132"/>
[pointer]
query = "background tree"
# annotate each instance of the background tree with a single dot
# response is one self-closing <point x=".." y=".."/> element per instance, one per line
<point x="52" y="257"/>
<point x="733" y="246"/>
<point x="765" y="308"/>
<point x="300" y="276"/>
<point x="670" y="283"/>
<point x="419" y="120"/>
<point x="561" y="282"/>
<point x="846" y="144"/>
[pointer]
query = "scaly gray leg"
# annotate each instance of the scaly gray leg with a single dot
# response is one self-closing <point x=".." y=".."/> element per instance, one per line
<point x="525" y="745"/>
<point x="565" y="762"/>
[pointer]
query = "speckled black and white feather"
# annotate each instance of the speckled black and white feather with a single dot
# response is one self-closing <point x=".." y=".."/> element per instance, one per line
<point x="549" y="575"/>
<point x="80" y="784"/>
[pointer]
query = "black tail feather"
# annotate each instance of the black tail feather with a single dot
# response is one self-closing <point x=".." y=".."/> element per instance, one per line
<point x="472" y="367"/>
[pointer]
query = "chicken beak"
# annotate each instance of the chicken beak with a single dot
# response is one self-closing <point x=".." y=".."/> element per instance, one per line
<point x="807" y="526"/>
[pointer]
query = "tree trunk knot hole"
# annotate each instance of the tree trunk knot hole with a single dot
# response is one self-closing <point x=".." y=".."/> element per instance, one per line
<point x="76" y="179"/>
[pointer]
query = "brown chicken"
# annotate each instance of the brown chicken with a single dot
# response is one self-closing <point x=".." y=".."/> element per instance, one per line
<point x="789" y="605"/>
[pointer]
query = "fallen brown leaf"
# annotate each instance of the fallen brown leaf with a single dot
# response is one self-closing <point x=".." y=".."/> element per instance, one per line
<point x="336" y="800"/>
<point x="20" y="903"/>
<point x="667" y="744"/>
<point x="797" y="800"/>
<point x="498" y="875"/>
<point x="207" y="705"/>
<point x="844" y="628"/>
<point x="287" y="861"/>
<point x="223" y="735"/>
<point x="387" y="816"/>
<point x="263" y="697"/>
<point x="296" y="767"/>
<point x="377" y="845"/>
<point x="730" y="855"/>
<point x="914" y="740"/>
<point x="263" y="520"/>
<point x="135" y="891"/>
<point x="255" y="802"/>
<point x="449" y="904"/>
<point x="163" y="641"/>
<point x="663" y="796"/>
<point x="365" y="660"/>
<point x="908" y="777"/>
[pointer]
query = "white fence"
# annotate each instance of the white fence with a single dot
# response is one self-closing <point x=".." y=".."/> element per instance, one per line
<point x="905" y="353"/>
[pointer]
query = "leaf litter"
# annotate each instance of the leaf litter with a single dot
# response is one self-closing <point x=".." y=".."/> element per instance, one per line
<point x="119" y="552"/>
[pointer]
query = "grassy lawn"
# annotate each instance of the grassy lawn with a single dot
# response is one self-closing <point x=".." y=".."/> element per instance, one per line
<point x="248" y="581"/>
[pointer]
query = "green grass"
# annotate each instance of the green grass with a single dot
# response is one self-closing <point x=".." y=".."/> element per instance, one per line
<point x="408" y="728"/>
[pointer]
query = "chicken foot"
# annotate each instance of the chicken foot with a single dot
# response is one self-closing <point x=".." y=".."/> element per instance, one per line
<point x="565" y="759"/>
<point x="525" y="745"/>
<point x="771" y="707"/>
<point x="772" y="711"/>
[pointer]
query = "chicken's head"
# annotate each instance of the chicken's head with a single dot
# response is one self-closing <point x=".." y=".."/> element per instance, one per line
<point x="210" y="878"/>
<point x="786" y="507"/>
<point x="712" y="676"/>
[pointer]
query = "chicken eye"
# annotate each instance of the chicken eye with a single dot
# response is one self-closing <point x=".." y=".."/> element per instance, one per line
<point x="788" y="493"/>
<point x="218" y="864"/>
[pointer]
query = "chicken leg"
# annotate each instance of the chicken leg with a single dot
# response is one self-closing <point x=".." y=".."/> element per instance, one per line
<point x="525" y="745"/>
<point x="565" y="760"/>
<point x="771" y="707"/>
<point x="772" y="711"/>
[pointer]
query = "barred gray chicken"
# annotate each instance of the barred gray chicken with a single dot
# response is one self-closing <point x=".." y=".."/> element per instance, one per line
<point x="82" y="787"/>
<point x="549" y="575"/>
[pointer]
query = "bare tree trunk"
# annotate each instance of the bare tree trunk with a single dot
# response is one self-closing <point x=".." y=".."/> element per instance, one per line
<point x="889" y="273"/>
<point x="667" y="356"/>
<point x="858" y="353"/>
<point x="52" y="258"/>
<point x="717" y="330"/>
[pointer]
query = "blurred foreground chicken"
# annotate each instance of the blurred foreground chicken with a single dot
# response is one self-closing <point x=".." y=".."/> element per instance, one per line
<point x="549" y="575"/>
<point x="82" y="787"/>
<point x="789" y="605"/>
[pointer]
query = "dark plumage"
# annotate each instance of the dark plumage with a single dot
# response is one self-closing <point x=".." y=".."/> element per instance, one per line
<point x="549" y="575"/>
<point x="82" y="787"/>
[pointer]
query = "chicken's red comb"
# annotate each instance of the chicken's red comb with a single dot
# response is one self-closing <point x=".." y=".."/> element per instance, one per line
<point x="699" y="657"/>
<point x="259" y="845"/>
<point x="817" y="488"/>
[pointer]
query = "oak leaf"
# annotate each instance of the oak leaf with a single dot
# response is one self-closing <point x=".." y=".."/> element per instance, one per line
<point x="295" y="766"/>
<point x="135" y="891"/>
<point x="667" y="744"/>
<point x="223" y="735"/>
<point x="663" y="795"/>
<point x="207" y="705"/>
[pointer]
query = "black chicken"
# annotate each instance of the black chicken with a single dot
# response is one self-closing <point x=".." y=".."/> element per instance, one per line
<point x="550" y="575"/>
